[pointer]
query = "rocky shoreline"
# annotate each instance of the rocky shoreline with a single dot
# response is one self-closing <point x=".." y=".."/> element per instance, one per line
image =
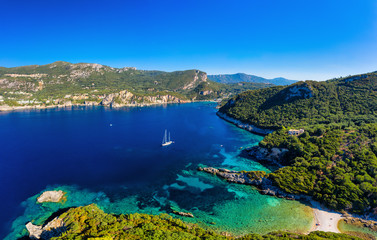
<point x="254" y="178"/>
<point x="6" y="108"/>
<point x="52" y="229"/>
<point x="272" y="157"/>
<point x="264" y="155"/>
<point x="324" y="219"/>
<point x="249" y="127"/>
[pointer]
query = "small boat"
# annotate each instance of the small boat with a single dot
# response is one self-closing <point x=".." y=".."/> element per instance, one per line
<point x="166" y="140"/>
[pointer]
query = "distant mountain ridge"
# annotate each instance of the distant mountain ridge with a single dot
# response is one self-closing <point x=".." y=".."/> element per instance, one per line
<point x="242" y="77"/>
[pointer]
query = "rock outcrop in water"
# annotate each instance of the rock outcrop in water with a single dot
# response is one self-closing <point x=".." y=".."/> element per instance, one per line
<point x="184" y="214"/>
<point x="254" y="178"/>
<point x="52" y="229"/>
<point x="34" y="230"/>
<point x="51" y="196"/>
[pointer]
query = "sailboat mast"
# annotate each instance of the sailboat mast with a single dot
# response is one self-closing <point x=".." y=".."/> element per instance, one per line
<point x="164" y="139"/>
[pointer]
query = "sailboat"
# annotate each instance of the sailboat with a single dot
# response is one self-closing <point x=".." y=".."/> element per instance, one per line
<point x="166" y="140"/>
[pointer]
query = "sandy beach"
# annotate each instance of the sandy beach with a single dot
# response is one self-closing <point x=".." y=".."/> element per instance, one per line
<point x="325" y="220"/>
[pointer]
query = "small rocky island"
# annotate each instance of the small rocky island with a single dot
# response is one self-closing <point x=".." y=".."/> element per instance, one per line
<point x="51" y="196"/>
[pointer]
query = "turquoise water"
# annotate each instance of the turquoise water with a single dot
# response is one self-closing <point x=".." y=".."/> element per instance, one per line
<point x="112" y="157"/>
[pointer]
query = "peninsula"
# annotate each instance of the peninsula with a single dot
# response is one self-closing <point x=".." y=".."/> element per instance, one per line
<point x="333" y="158"/>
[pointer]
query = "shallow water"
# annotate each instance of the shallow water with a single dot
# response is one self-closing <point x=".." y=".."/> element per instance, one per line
<point x="344" y="227"/>
<point x="113" y="157"/>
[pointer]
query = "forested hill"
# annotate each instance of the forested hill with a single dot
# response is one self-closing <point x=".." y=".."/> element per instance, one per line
<point x="345" y="101"/>
<point x="335" y="159"/>
<point x="63" y="83"/>
<point x="242" y="77"/>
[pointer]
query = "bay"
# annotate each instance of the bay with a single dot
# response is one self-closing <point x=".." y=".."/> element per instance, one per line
<point x="114" y="158"/>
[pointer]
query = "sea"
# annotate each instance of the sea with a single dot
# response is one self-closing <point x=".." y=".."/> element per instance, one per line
<point x="113" y="157"/>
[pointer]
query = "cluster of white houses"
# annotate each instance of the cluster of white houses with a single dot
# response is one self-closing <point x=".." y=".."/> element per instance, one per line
<point x="295" y="132"/>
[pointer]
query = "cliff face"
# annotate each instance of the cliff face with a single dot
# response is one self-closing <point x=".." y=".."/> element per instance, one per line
<point x="299" y="91"/>
<point x="198" y="78"/>
<point x="126" y="98"/>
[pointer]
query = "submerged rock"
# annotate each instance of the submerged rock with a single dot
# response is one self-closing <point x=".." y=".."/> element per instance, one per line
<point x="184" y="214"/>
<point x="51" y="196"/>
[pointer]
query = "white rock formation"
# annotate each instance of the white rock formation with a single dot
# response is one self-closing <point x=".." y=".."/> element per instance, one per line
<point x="52" y="229"/>
<point x="51" y="196"/>
<point x="34" y="230"/>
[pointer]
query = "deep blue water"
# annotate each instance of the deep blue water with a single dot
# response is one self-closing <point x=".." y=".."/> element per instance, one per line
<point x="117" y="153"/>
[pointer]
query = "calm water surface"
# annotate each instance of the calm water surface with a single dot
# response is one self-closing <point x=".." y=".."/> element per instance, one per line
<point x="114" y="158"/>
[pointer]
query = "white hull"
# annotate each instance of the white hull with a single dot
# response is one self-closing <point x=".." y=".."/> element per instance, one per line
<point x="167" y="143"/>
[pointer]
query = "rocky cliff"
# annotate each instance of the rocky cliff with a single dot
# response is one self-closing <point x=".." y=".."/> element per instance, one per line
<point x="124" y="98"/>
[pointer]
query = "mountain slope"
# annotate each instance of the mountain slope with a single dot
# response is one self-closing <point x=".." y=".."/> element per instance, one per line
<point x="351" y="100"/>
<point x="242" y="77"/>
<point x="63" y="83"/>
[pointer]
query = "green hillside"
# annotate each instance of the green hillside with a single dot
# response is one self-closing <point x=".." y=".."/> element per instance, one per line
<point x="347" y="101"/>
<point x="335" y="165"/>
<point x="62" y="82"/>
<point x="335" y="159"/>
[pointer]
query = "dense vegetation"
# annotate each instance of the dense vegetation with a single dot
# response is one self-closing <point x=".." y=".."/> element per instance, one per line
<point x="345" y="101"/>
<point x="74" y="82"/>
<point x="334" y="160"/>
<point x="335" y="165"/>
<point x="90" y="222"/>
<point x="242" y="77"/>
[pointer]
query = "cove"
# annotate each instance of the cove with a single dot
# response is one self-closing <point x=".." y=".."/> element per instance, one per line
<point x="114" y="158"/>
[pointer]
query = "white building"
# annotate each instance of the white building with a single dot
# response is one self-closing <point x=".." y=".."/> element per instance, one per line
<point x="295" y="132"/>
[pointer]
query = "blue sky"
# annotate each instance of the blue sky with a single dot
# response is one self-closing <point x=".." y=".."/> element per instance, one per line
<point x="296" y="39"/>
